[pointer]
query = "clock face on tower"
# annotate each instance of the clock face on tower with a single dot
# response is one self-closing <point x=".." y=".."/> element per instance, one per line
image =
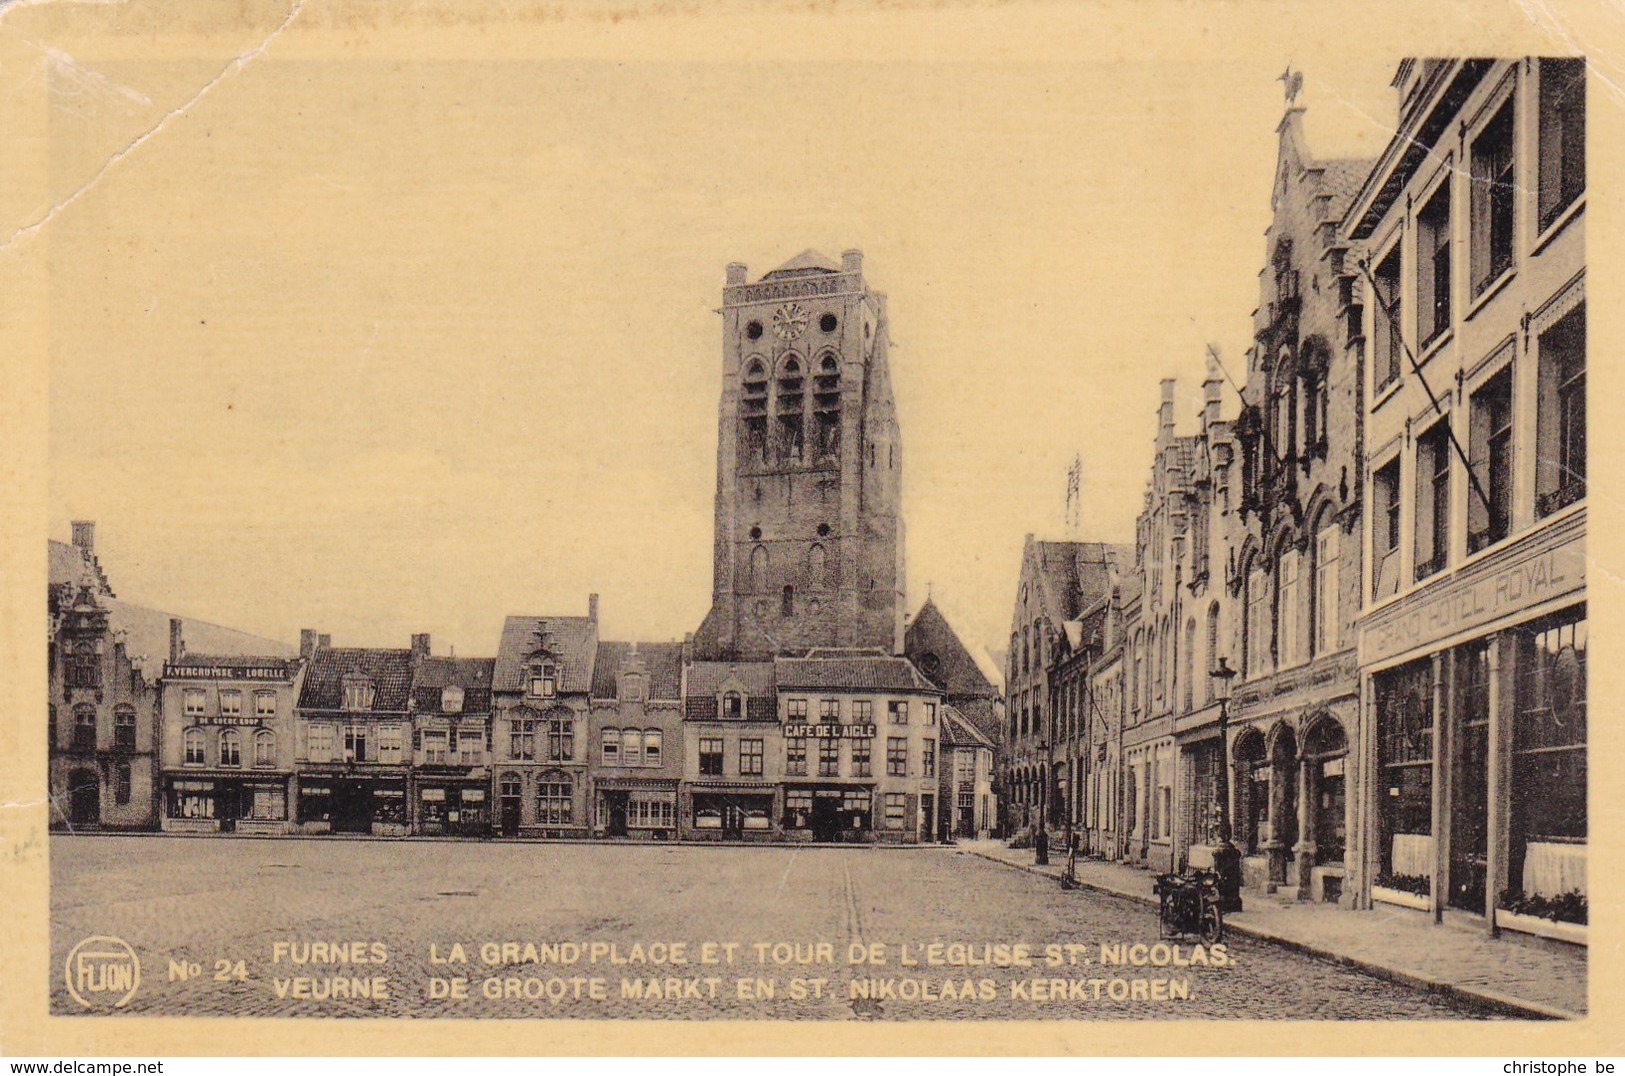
<point x="790" y="321"/>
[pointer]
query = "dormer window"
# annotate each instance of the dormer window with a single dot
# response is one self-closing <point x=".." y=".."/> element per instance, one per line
<point x="631" y="689"/>
<point x="451" y="700"/>
<point x="358" y="693"/>
<point x="733" y="706"/>
<point x="544" y="681"/>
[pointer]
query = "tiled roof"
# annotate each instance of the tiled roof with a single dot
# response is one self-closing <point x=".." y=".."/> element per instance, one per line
<point x="1073" y="573"/>
<point x="704" y="678"/>
<point x="1342" y="180"/>
<point x="808" y="261"/>
<point x="958" y="732"/>
<point x="571" y="640"/>
<point x="850" y="674"/>
<point x="434" y="675"/>
<point x="664" y="662"/>
<point x="955" y="668"/>
<point x="389" y="670"/>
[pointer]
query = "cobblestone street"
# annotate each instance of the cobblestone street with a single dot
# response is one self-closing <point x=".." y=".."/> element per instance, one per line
<point x="203" y="905"/>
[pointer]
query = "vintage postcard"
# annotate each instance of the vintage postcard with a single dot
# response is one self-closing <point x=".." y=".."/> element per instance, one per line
<point x="872" y="527"/>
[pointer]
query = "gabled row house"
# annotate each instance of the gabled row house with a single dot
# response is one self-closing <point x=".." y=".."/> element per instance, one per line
<point x="1382" y="554"/>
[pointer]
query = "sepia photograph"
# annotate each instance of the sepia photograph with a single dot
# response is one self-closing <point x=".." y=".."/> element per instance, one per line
<point x="761" y="516"/>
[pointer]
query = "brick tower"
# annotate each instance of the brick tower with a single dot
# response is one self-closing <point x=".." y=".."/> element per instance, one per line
<point x="809" y="539"/>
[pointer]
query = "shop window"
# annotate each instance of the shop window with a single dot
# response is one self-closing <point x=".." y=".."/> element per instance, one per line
<point x="896" y="756"/>
<point x="896" y="810"/>
<point x="1549" y="766"/>
<point x="435" y="747"/>
<point x="1489" y="501"/>
<point x="795" y="756"/>
<point x="710" y="756"/>
<point x="862" y="765"/>
<point x="122" y="782"/>
<point x="928" y="758"/>
<point x="1404" y="701"/>
<point x="897" y="711"/>
<point x="750" y="757"/>
<point x="390" y="744"/>
<point x="561" y="738"/>
<point x="265" y="748"/>
<point x="1494" y="198"/>
<point x="1389" y="343"/>
<point x="124" y="727"/>
<point x="191" y="799"/>
<point x="829" y="758"/>
<point x="268" y="804"/>
<point x="555" y="803"/>
<point x="1560" y="458"/>
<point x="231" y="704"/>
<point x="798" y="808"/>
<point x="192" y="702"/>
<point x="231" y="748"/>
<point x="1253" y="795"/>
<point x="319" y="743"/>
<point x="1433" y="450"/>
<point x="1562" y="136"/>
<point x="1433" y="267"/>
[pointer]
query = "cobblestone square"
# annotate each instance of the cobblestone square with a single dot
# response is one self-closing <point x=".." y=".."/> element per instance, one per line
<point x="193" y="908"/>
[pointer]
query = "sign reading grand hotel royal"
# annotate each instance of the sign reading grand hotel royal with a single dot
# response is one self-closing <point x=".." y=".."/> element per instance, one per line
<point x="1529" y="574"/>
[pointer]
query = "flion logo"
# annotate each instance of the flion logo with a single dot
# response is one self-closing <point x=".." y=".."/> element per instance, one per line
<point x="102" y="972"/>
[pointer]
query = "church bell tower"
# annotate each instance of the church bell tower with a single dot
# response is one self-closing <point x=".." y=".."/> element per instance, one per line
<point x="809" y="539"/>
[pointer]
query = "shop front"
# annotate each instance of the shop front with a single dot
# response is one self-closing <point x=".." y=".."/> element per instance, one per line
<point x="452" y="806"/>
<point x="829" y="813"/>
<point x="1477" y="693"/>
<point x="635" y="807"/>
<point x="732" y="812"/>
<point x="345" y="802"/>
<point x="225" y="802"/>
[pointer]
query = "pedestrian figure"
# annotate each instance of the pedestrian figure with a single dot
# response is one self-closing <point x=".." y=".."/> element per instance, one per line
<point x="1041" y="846"/>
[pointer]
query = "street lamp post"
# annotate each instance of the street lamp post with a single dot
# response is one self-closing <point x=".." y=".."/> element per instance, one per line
<point x="1226" y="857"/>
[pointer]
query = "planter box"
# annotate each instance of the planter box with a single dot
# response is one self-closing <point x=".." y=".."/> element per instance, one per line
<point x="1573" y="933"/>
<point x="1401" y="898"/>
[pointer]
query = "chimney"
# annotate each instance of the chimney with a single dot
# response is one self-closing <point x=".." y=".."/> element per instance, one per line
<point x="420" y="646"/>
<point x="324" y="642"/>
<point x="851" y="261"/>
<point x="736" y="273"/>
<point x="592" y="608"/>
<point x="307" y="643"/>
<point x="177" y="646"/>
<point x="1165" y="413"/>
<point x="84" y="535"/>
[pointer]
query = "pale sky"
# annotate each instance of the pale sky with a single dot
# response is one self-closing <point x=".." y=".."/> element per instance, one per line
<point x="403" y="344"/>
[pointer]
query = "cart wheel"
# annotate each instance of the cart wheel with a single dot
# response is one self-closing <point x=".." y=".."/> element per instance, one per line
<point x="1212" y="924"/>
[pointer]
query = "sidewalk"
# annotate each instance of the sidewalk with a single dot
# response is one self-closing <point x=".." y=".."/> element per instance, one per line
<point x="1527" y="977"/>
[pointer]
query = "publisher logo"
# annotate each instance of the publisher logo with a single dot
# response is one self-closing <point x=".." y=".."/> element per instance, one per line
<point x="102" y="972"/>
